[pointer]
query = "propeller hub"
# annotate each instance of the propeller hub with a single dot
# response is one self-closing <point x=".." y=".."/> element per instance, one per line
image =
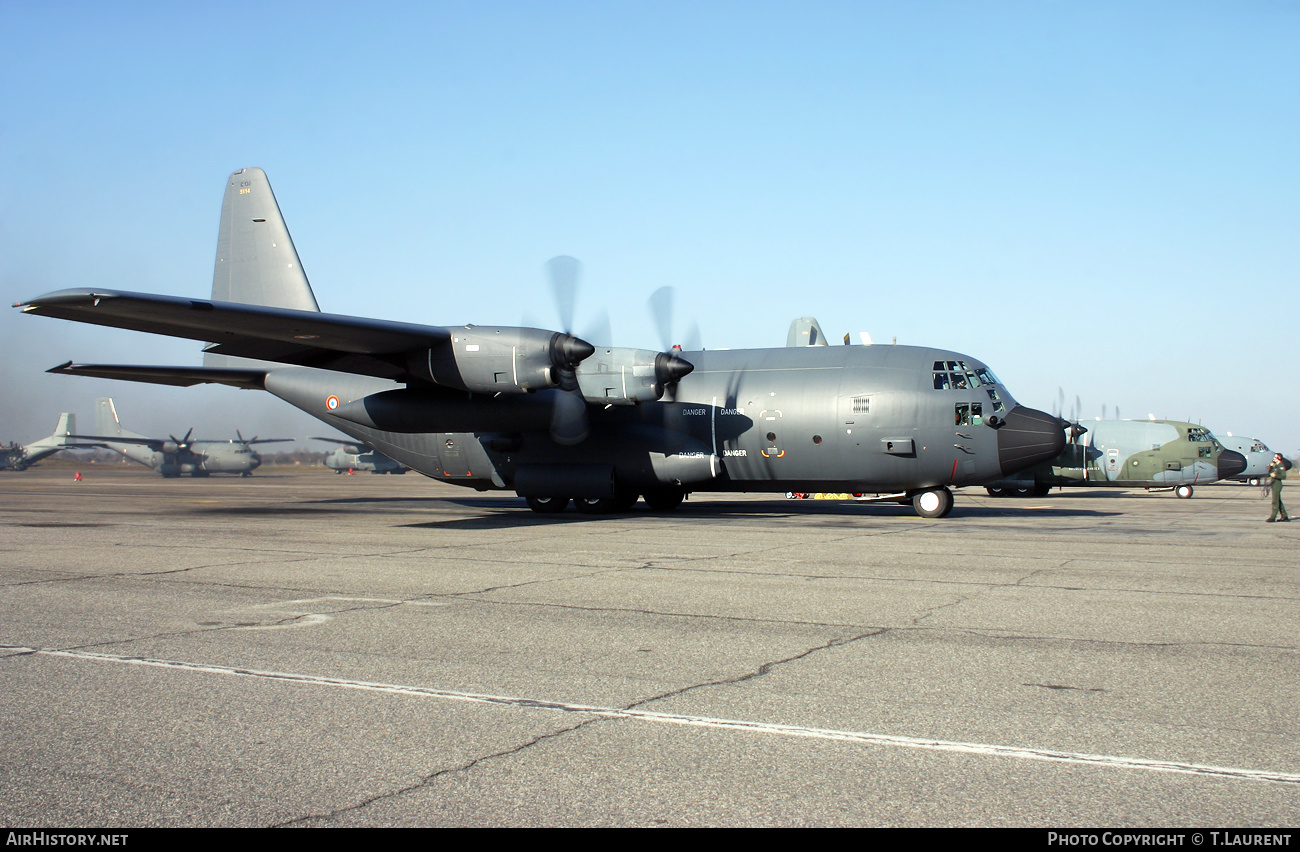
<point x="569" y="351"/>
<point x="670" y="368"/>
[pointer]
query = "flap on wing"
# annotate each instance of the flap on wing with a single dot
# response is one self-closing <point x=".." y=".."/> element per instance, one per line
<point x="305" y="338"/>
<point x="179" y="376"/>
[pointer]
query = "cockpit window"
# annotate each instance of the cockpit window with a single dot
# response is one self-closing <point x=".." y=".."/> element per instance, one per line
<point x="968" y="414"/>
<point x="997" y="399"/>
<point x="1198" y="435"/>
<point x="958" y="375"/>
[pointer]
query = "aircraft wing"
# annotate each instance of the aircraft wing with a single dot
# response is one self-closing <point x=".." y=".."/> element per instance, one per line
<point x="307" y="338"/>
<point x="179" y="376"/>
<point x="154" y="444"/>
<point x="345" y="443"/>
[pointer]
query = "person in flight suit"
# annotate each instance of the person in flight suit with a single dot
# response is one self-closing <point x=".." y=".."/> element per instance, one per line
<point x="1276" y="473"/>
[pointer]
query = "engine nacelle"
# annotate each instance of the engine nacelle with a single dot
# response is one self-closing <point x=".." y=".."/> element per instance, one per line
<point x="613" y="376"/>
<point x="491" y="360"/>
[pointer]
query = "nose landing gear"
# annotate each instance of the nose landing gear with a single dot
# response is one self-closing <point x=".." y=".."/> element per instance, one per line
<point x="935" y="503"/>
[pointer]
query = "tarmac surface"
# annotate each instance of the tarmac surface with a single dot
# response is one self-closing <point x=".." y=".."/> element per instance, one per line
<point x="300" y="648"/>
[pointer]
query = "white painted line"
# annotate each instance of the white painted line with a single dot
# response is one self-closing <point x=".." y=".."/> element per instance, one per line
<point x="983" y="749"/>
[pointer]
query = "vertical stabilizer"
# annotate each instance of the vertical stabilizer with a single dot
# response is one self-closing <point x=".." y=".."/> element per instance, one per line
<point x="256" y="262"/>
<point x="67" y="426"/>
<point x="106" y="422"/>
<point x="805" y="331"/>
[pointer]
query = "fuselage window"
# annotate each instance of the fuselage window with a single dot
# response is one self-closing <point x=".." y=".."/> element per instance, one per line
<point x="968" y="414"/>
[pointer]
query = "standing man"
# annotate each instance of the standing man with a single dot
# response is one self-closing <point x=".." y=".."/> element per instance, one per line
<point x="1276" y="473"/>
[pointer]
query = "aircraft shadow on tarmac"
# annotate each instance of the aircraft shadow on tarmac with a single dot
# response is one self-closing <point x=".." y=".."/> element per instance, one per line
<point x="507" y="513"/>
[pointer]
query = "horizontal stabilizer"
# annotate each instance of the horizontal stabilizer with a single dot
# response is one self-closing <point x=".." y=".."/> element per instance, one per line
<point x="179" y="376"/>
<point x="287" y="336"/>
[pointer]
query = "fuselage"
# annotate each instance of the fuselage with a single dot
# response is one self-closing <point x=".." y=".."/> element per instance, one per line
<point x="852" y="418"/>
<point x="199" y="458"/>
<point x="1255" y="452"/>
<point x="356" y="458"/>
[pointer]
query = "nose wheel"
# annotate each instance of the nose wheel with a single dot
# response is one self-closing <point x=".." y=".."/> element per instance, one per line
<point x="935" y="503"/>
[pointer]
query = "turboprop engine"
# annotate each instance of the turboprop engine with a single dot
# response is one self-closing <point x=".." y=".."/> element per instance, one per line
<point x="500" y="360"/>
<point x="629" y="376"/>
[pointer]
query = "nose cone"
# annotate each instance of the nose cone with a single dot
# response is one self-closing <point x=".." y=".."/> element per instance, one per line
<point x="1028" y="437"/>
<point x="1231" y="463"/>
<point x="255" y="462"/>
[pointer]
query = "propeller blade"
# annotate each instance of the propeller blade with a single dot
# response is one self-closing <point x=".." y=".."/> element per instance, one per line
<point x="569" y="424"/>
<point x="661" y="310"/>
<point x="600" y="333"/>
<point x="564" y="272"/>
<point x="693" y="342"/>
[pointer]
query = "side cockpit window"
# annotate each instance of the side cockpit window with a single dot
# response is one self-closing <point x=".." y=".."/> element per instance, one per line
<point x="968" y="414"/>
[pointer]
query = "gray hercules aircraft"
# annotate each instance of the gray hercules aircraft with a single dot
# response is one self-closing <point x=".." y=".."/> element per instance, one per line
<point x="15" y="457"/>
<point x="1257" y="455"/>
<point x="1166" y="455"/>
<point x="174" y="456"/>
<point x="354" y="455"/>
<point x="553" y="418"/>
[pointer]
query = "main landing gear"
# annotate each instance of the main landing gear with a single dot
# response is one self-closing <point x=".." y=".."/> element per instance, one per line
<point x="657" y="499"/>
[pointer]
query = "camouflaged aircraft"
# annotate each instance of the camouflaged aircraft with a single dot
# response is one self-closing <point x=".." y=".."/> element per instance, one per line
<point x="15" y="457"/>
<point x="174" y="456"/>
<point x="555" y="419"/>
<point x="1158" y="455"/>
<point x="354" y="455"/>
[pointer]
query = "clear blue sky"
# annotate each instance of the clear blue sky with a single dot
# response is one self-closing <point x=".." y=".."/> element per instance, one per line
<point x="1096" y="197"/>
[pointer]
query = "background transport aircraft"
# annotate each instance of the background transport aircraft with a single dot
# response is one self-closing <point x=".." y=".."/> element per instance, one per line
<point x="15" y="457"/>
<point x="1152" y="454"/>
<point x="354" y="455"/>
<point x="1257" y="457"/>
<point x="555" y="419"/>
<point x="174" y="456"/>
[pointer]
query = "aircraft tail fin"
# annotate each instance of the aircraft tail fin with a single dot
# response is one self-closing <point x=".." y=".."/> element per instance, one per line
<point x="805" y="331"/>
<point x="67" y="426"/>
<point x="106" y="422"/>
<point x="256" y="262"/>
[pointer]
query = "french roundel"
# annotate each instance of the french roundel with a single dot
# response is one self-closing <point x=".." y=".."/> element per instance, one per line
<point x="332" y="402"/>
